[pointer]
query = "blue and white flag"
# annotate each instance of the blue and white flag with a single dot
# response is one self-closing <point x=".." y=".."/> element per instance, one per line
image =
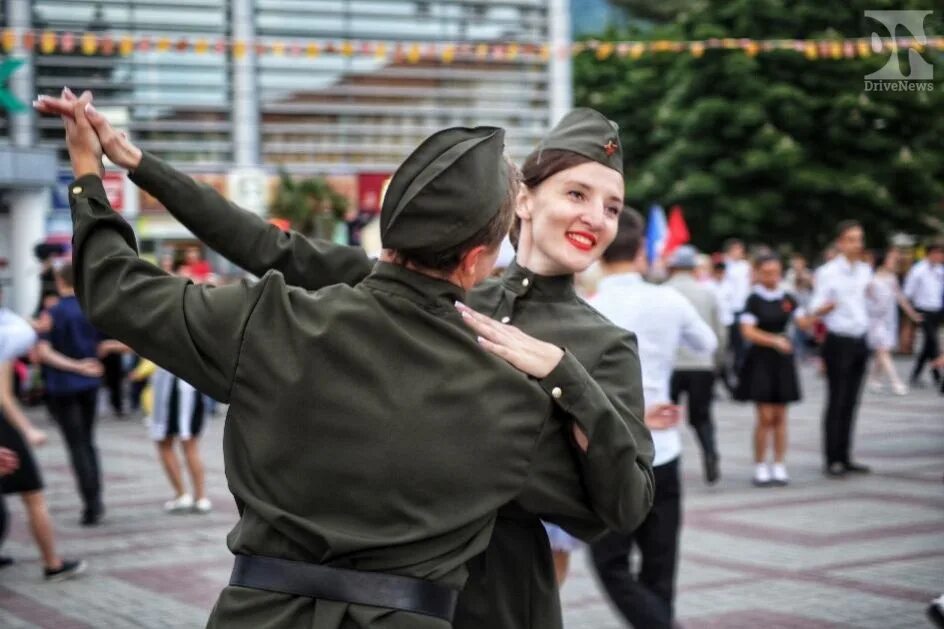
<point x="657" y="233"/>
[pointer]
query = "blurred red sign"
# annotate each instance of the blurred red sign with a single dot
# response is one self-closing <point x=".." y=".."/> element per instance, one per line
<point x="371" y="187"/>
<point x="114" y="183"/>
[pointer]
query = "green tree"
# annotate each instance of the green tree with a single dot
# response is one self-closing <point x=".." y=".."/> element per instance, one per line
<point x="775" y="147"/>
<point x="310" y="205"/>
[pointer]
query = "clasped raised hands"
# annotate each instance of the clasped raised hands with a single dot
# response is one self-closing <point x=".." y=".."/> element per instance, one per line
<point x="88" y="132"/>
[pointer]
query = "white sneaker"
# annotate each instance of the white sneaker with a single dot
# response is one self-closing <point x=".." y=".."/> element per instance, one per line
<point x="761" y="475"/>
<point x="876" y="387"/>
<point x="202" y="506"/>
<point x="780" y="476"/>
<point x="180" y="504"/>
<point x="900" y="389"/>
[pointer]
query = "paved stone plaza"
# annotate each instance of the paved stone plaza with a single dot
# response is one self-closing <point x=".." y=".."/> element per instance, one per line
<point x="861" y="552"/>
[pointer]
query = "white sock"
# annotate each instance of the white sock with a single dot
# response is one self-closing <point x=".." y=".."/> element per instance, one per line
<point x="780" y="472"/>
<point x="762" y="473"/>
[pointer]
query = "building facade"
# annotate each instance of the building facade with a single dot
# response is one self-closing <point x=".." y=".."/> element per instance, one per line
<point x="232" y="91"/>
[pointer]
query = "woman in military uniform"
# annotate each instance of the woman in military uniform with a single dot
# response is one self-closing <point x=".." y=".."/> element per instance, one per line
<point x="566" y="217"/>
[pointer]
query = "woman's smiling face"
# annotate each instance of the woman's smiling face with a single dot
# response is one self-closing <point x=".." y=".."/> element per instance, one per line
<point x="572" y="217"/>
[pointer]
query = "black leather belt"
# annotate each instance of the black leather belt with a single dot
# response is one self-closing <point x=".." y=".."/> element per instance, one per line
<point x="376" y="589"/>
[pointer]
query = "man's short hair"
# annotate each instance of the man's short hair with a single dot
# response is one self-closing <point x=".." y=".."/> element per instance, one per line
<point x="936" y="245"/>
<point x="490" y="235"/>
<point x="732" y="242"/>
<point x="845" y="226"/>
<point x="65" y="274"/>
<point x="625" y="247"/>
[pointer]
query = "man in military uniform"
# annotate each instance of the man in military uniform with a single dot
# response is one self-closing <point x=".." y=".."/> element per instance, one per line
<point x="611" y="474"/>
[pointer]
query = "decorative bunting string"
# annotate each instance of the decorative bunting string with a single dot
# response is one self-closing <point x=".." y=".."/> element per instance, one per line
<point x="124" y="45"/>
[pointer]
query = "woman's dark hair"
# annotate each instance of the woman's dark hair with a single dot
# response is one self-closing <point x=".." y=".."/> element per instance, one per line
<point x="491" y="235"/>
<point x="540" y="166"/>
<point x="879" y="256"/>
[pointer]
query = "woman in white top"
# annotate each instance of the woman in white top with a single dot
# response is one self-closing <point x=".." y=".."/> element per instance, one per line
<point x="883" y="297"/>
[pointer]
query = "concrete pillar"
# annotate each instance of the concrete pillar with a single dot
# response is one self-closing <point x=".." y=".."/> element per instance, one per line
<point x="28" y="209"/>
<point x="246" y="124"/>
<point x="560" y="66"/>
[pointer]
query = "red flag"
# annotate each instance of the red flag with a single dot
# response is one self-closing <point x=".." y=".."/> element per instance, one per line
<point x="678" y="230"/>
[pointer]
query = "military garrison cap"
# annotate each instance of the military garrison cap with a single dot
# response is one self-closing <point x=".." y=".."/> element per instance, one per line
<point x="448" y="189"/>
<point x="589" y="133"/>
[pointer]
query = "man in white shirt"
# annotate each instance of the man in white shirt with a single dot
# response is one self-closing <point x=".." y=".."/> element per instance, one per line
<point x="839" y="298"/>
<point x="924" y="286"/>
<point x="662" y="320"/>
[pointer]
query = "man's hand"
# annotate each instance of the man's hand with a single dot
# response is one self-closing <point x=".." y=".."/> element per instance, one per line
<point x="525" y="353"/>
<point x="116" y="145"/>
<point x="662" y="416"/>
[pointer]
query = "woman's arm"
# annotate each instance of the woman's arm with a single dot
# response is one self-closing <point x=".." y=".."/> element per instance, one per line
<point x="758" y="337"/>
<point x="239" y="235"/>
<point x="613" y="444"/>
<point x="51" y="358"/>
<point x="13" y="412"/>
<point x="244" y="237"/>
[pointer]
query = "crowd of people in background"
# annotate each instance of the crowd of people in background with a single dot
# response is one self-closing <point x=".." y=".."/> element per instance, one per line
<point x="57" y="358"/>
<point x="736" y="317"/>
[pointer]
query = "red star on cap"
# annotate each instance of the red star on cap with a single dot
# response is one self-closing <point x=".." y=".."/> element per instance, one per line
<point x="610" y="148"/>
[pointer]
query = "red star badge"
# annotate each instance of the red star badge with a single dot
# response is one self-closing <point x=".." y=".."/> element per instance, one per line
<point x="610" y="148"/>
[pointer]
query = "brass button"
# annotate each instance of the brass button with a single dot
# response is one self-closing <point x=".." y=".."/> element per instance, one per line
<point x="77" y="190"/>
<point x="556" y="393"/>
<point x="506" y="319"/>
<point x="525" y="282"/>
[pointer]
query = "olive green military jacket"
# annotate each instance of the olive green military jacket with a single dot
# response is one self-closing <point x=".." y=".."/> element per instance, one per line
<point x="366" y="430"/>
<point x="512" y="585"/>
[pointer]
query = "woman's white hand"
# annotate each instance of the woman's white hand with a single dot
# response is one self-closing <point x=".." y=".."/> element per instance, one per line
<point x="116" y="145"/>
<point x="524" y="352"/>
<point x="36" y="437"/>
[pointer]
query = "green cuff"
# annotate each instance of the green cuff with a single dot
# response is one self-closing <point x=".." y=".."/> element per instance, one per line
<point x="567" y="383"/>
<point x="89" y="187"/>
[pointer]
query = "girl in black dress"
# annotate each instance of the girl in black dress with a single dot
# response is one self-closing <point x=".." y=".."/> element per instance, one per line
<point x="17" y="433"/>
<point x="768" y="375"/>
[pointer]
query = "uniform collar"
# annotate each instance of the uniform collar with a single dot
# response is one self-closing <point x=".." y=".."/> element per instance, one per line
<point x="521" y="281"/>
<point x="412" y="285"/>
